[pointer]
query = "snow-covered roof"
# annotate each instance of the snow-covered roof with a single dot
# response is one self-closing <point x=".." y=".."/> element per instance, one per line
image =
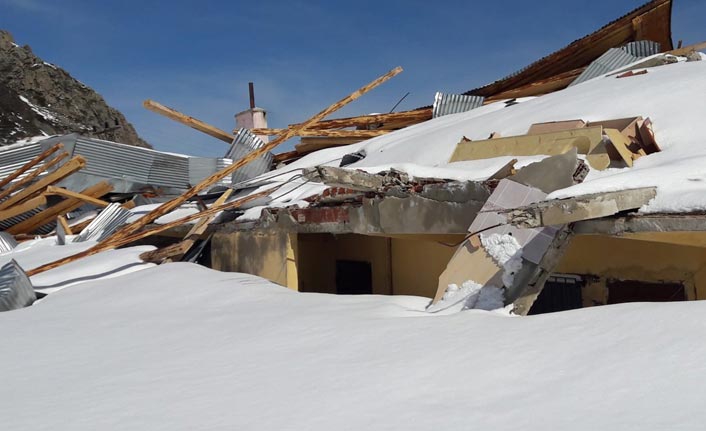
<point x="671" y="96"/>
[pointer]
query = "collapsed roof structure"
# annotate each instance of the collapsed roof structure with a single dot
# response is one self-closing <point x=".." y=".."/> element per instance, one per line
<point x="576" y="181"/>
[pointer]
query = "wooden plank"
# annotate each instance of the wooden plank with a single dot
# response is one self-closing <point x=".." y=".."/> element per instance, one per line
<point x="688" y="49"/>
<point x="308" y="145"/>
<point x="29" y="165"/>
<point x="48" y="215"/>
<point x="25" y="206"/>
<point x="283" y="157"/>
<point x="120" y="236"/>
<point x="64" y="171"/>
<point x="186" y="120"/>
<point x="64" y="224"/>
<point x="51" y="190"/>
<point x="406" y="117"/>
<point x="34" y="174"/>
<point x="555" y="126"/>
<point x="365" y="134"/>
<point x="538" y="88"/>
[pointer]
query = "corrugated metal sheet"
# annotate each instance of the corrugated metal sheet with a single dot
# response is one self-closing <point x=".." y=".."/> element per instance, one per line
<point x="15" y="157"/>
<point x="111" y="218"/>
<point x="169" y="170"/>
<point x="202" y="167"/>
<point x="111" y="160"/>
<point x="7" y="223"/>
<point x="16" y="290"/>
<point x="7" y="242"/>
<point x="244" y="143"/>
<point x="642" y="48"/>
<point x="445" y="104"/>
<point x="613" y="59"/>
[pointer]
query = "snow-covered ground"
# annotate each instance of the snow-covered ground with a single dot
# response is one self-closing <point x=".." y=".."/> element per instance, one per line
<point x="671" y="96"/>
<point x="182" y="347"/>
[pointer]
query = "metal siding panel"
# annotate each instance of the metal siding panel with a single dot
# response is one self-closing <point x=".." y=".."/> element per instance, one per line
<point x="445" y="104"/>
<point x="7" y="242"/>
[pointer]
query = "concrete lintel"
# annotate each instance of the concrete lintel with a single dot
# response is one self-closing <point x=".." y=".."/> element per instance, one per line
<point x="642" y="223"/>
<point x="592" y="206"/>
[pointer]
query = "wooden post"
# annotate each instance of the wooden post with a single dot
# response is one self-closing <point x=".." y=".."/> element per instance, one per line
<point x="62" y="221"/>
<point x="29" y="165"/>
<point x="29" y="178"/>
<point x="64" y="171"/>
<point x="188" y="121"/>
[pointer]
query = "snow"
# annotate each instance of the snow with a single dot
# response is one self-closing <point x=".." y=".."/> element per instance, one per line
<point x="669" y="95"/>
<point x="48" y="115"/>
<point x="179" y="347"/>
<point x="506" y="251"/>
<point x="183" y="211"/>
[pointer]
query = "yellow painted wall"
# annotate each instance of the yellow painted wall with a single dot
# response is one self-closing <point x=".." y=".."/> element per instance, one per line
<point x="631" y="259"/>
<point x="418" y="262"/>
<point x="267" y="255"/>
<point x="317" y="255"/>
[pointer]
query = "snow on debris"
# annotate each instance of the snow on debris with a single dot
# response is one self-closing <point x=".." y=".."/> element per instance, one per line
<point x="669" y="95"/>
<point x="180" y="347"/>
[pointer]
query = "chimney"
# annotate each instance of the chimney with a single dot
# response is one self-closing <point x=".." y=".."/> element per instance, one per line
<point x="253" y="118"/>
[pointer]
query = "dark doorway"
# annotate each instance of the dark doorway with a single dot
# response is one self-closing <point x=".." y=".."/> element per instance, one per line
<point x="560" y="293"/>
<point x="354" y="277"/>
<point x="621" y="291"/>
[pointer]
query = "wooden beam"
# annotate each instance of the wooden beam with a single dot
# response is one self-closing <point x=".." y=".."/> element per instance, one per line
<point x="308" y="145"/>
<point x="416" y="116"/>
<point x="51" y="190"/>
<point x="29" y="165"/>
<point x="34" y="174"/>
<point x="48" y="215"/>
<point x="120" y="236"/>
<point x="25" y="206"/>
<point x="283" y="157"/>
<point x="326" y="133"/>
<point x="64" y="171"/>
<point x="186" y="120"/>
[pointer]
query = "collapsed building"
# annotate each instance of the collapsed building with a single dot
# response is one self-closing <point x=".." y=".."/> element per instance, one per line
<point x="573" y="182"/>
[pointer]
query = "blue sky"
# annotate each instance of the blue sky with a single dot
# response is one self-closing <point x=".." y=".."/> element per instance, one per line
<point x="198" y="57"/>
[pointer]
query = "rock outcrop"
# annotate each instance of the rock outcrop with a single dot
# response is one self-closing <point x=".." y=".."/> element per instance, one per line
<point x="37" y="98"/>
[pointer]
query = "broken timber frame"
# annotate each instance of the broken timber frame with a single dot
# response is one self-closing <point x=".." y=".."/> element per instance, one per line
<point x="328" y="133"/>
<point x="34" y="174"/>
<point x="188" y="121"/>
<point x="120" y="236"/>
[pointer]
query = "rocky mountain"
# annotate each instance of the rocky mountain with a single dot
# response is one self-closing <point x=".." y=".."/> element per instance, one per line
<point x="38" y="98"/>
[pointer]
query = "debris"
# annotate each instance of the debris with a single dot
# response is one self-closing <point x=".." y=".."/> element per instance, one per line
<point x="108" y="221"/>
<point x="16" y="290"/>
<point x="188" y="121"/>
<point x="563" y="211"/>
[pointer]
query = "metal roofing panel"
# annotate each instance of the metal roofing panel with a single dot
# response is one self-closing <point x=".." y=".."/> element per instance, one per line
<point x="9" y="222"/>
<point x="244" y="143"/>
<point x="613" y="59"/>
<point x="642" y="48"/>
<point x="169" y="170"/>
<point x="7" y="242"/>
<point x="445" y="104"/>
<point x="16" y="290"/>
<point x="203" y="167"/>
<point x="15" y="157"/>
<point x="110" y="218"/>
